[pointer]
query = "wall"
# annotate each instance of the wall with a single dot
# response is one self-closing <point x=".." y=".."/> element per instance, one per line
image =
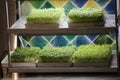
<point x="4" y="25"/>
<point x="3" y="30"/>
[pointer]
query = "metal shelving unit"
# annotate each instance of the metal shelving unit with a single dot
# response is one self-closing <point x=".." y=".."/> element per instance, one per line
<point x="19" y="29"/>
<point x="32" y="68"/>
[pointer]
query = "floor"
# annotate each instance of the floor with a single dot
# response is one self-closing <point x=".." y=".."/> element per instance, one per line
<point x="70" y="76"/>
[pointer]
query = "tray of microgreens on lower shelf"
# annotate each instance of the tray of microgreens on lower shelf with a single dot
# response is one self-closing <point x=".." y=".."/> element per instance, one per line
<point x="56" y="56"/>
<point x="45" y="18"/>
<point x="86" y="17"/>
<point x="25" y="56"/>
<point x="68" y="56"/>
<point x="92" y="56"/>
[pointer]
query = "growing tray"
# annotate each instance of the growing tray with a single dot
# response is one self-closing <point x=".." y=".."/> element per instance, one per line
<point x="99" y="64"/>
<point x="53" y="64"/>
<point x="94" y="24"/>
<point x="91" y="64"/>
<point x="23" y="64"/>
<point x="42" y="25"/>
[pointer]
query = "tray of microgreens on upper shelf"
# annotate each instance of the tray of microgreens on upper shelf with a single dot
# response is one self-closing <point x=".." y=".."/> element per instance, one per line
<point x="86" y="17"/>
<point x="45" y="18"/>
